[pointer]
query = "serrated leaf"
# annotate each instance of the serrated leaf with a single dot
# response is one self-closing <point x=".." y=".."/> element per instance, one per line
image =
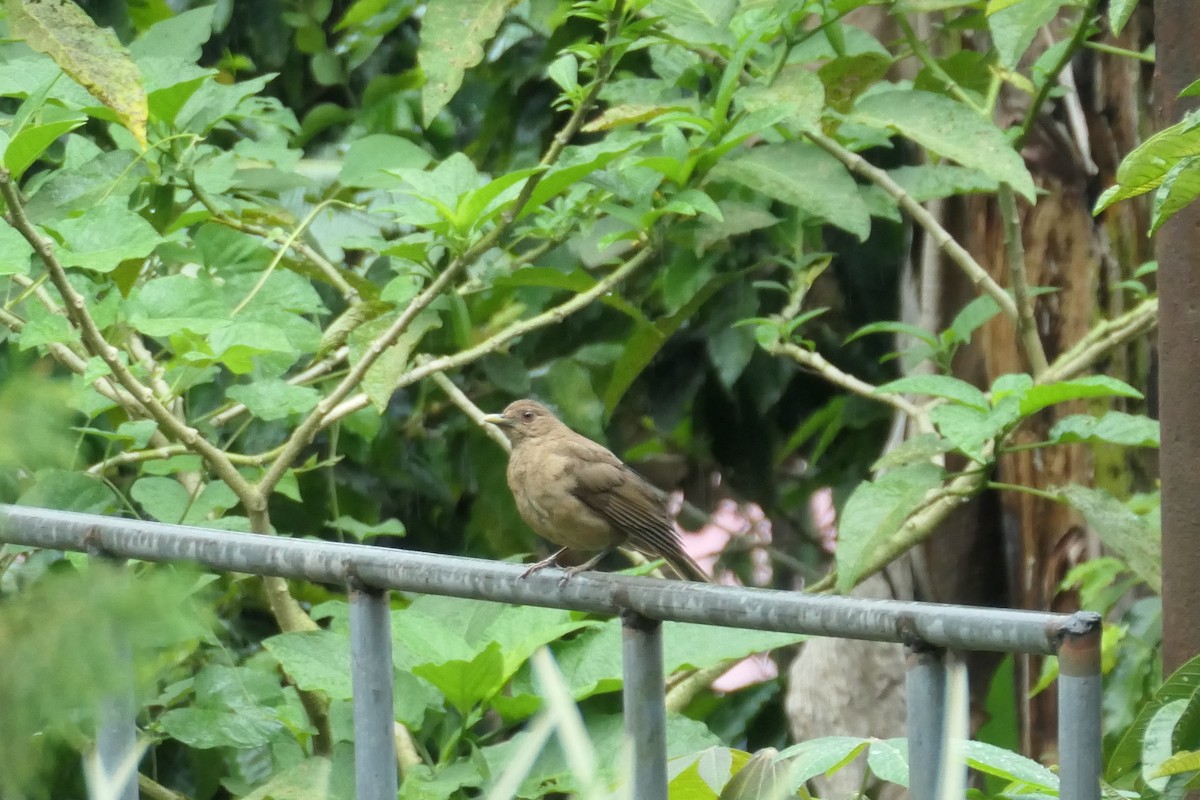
<point x="314" y="661"/>
<point x="384" y="375"/>
<point x="970" y="429"/>
<point x="452" y="36"/>
<point x="93" y="56"/>
<point x="804" y="176"/>
<point x="1133" y="537"/>
<point x="920" y="448"/>
<point x="875" y="511"/>
<point x="949" y="129"/>
<point x="945" y="386"/>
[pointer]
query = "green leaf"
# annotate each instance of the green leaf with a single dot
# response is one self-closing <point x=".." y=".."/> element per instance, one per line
<point x="1119" y="12"/>
<point x="271" y="399"/>
<point x="703" y="775"/>
<point x="1039" y="397"/>
<point x="1179" y="189"/>
<point x="1012" y="767"/>
<point x="1013" y="25"/>
<point x="805" y="176"/>
<point x="1148" y="165"/>
<point x="592" y="660"/>
<point x="763" y="776"/>
<point x="69" y="491"/>
<point x="1136" y="539"/>
<point x="28" y="144"/>
<point x="466" y="683"/>
<point x="970" y="429"/>
<point x="1158" y="743"/>
<point x="795" y="90"/>
<point x="315" y="661"/>
<point x="949" y="129"/>
<point x="1114" y="427"/>
<point x="205" y="727"/>
<point x="921" y="448"/>
<point x="1184" y="684"/>
<point x="361" y="530"/>
<point x="14" y="252"/>
<point x="825" y="755"/>
<point x="166" y="500"/>
<point x="888" y="760"/>
<point x="43" y="327"/>
<point x="926" y="182"/>
<point x="945" y="386"/>
<point x="238" y="343"/>
<point x="452" y="36"/>
<point x="730" y="351"/>
<point x="384" y="375"/>
<point x="93" y="56"/>
<point x="103" y="237"/>
<point x="367" y="159"/>
<point x="874" y="513"/>
<point x="176" y="303"/>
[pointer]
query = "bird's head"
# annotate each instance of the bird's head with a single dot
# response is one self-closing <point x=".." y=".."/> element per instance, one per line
<point x="524" y="420"/>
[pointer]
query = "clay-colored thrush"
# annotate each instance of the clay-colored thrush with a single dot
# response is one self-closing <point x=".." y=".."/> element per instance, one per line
<point x="577" y="494"/>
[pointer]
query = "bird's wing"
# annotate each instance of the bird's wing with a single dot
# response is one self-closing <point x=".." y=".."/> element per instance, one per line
<point x="629" y="503"/>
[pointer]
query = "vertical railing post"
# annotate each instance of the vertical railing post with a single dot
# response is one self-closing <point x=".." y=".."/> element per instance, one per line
<point x="925" y="691"/>
<point x="116" y="723"/>
<point x="1079" y="685"/>
<point x="645" y="704"/>
<point x="371" y="680"/>
<point x="116" y="728"/>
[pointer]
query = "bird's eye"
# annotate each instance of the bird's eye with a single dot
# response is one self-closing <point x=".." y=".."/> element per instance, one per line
<point x="527" y="415"/>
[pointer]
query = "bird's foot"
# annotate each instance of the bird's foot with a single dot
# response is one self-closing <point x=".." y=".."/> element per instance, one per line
<point x="538" y="566"/>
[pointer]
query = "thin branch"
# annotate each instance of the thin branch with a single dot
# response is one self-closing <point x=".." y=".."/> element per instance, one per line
<point x="945" y="242"/>
<point x="321" y="416"/>
<point x="919" y="524"/>
<point x="463" y="357"/>
<point x="1064" y="58"/>
<point x="77" y="312"/>
<point x="74" y="362"/>
<point x="917" y="45"/>
<point x="1101" y="339"/>
<point x="1027" y="333"/>
<point x="474" y="412"/>
<point x="817" y="363"/>
<point x="323" y="265"/>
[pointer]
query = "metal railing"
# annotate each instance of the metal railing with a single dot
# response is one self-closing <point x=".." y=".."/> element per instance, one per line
<point x="926" y="629"/>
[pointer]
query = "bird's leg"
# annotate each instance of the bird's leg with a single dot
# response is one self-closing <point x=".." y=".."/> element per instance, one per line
<point x="552" y="561"/>
<point x="571" y="572"/>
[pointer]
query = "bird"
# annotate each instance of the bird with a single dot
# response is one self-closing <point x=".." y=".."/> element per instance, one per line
<point x="577" y="494"/>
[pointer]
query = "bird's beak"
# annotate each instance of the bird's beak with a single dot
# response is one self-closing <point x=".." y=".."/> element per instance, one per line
<point x="496" y="419"/>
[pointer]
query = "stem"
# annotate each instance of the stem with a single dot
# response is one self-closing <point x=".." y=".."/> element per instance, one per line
<point x="552" y="316"/>
<point x="1027" y="333"/>
<point x="817" y="363"/>
<point x="93" y="339"/>
<point x="945" y="242"/>
<point x="1014" y="487"/>
<point x="1039" y="100"/>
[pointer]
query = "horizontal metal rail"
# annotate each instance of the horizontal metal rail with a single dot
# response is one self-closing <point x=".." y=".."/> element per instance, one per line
<point x="954" y="627"/>
<point x="369" y="572"/>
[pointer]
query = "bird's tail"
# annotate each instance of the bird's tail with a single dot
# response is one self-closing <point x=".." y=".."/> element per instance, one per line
<point x="687" y="569"/>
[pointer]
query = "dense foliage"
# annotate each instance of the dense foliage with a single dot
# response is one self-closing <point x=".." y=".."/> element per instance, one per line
<point x="266" y="263"/>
